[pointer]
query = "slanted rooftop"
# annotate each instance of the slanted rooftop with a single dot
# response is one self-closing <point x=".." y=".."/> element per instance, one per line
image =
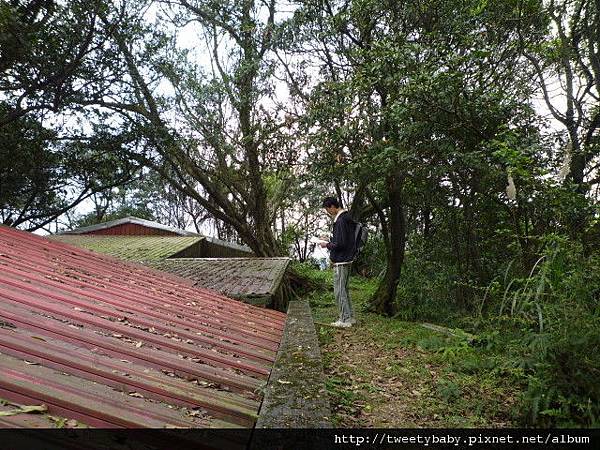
<point x="130" y="226"/>
<point x="135" y="248"/>
<point x="139" y="239"/>
<point x="245" y="278"/>
<point x="107" y="343"/>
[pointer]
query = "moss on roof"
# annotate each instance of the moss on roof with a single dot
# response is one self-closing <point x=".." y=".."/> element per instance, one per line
<point x="235" y="277"/>
<point x="135" y="248"/>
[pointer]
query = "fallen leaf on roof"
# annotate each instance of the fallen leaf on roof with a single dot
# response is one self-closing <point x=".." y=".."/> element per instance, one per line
<point x="24" y="410"/>
<point x="31" y="363"/>
<point x="284" y="381"/>
<point x="139" y="344"/>
<point x="72" y="423"/>
<point x="136" y="394"/>
<point x="38" y="338"/>
<point x="197" y="412"/>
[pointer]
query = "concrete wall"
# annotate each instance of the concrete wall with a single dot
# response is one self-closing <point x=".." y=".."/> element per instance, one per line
<point x="295" y="396"/>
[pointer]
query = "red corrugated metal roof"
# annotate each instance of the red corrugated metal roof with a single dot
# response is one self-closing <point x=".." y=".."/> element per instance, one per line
<point x="149" y="227"/>
<point x="131" y="229"/>
<point x="114" y="344"/>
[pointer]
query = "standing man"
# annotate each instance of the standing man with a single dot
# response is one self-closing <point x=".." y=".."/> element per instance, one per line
<point x="341" y="252"/>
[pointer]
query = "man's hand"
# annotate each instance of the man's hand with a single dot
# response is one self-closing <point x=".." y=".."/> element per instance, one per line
<point x="323" y="244"/>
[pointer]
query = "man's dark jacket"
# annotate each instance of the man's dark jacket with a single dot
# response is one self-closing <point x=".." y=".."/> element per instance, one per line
<point x="341" y="246"/>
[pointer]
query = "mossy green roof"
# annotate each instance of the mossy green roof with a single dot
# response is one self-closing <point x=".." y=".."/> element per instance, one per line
<point x="134" y="248"/>
<point x="234" y="277"/>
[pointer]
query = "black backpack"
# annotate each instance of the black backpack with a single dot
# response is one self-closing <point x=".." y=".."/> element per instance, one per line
<point x="361" y="234"/>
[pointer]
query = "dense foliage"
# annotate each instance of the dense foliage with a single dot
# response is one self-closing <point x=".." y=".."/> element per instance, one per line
<point x="427" y="119"/>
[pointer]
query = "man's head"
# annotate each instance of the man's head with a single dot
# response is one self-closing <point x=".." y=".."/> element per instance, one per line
<point x="331" y="205"/>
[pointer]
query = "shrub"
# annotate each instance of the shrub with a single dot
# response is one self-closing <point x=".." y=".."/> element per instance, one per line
<point x="544" y="327"/>
<point x="371" y="260"/>
<point x="429" y="289"/>
<point x="561" y="299"/>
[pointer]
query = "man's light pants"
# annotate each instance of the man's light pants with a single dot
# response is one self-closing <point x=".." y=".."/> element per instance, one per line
<point x="341" y="276"/>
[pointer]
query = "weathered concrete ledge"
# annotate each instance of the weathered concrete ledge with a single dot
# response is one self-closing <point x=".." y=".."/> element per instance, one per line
<point x="295" y="396"/>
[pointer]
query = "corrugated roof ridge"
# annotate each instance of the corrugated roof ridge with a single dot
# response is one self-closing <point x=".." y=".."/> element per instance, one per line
<point x="129" y="413"/>
<point x="99" y="366"/>
<point x="51" y="292"/>
<point x="165" y="360"/>
<point x="198" y="314"/>
<point x="259" y="355"/>
<point x="113" y="262"/>
<point x="213" y="294"/>
<point x="141" y="298"/>
<point x="18" y="296"/>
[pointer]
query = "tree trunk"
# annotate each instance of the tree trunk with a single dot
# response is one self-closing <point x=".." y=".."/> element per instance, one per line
<point x="427" y="223"/>
<point x="357" y="209"/>
<point x="383" y="300"/>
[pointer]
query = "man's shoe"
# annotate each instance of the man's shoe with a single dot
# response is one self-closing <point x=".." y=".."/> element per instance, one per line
<point x="351" y="321"/>
<point x="340" y="324"/>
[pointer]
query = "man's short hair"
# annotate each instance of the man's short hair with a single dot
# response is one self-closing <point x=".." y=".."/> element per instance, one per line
<point x="328" y="202"/>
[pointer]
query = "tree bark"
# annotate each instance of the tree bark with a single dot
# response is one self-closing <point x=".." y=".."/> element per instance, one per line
<point x="383" y="301"/>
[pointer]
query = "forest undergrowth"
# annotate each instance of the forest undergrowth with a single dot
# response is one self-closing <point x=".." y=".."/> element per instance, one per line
<point x="509" y="358"/>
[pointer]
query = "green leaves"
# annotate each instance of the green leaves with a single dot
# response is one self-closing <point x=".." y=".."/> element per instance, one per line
<point x="479" y="7"/>
<point x="511" y="153"/>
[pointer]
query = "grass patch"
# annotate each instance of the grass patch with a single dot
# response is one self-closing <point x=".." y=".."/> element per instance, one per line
<point x="386" y="372"/>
